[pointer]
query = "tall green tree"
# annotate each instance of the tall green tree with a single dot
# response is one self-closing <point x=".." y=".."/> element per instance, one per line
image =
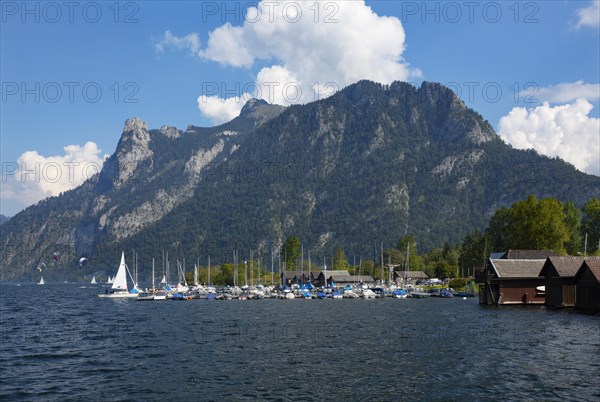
<point x="530" y="224"/>
<point x="498" y="230"/>
<point x="590" y="224"/>
<point x="224" y="275"/>
<point x="473" y="250"/>
<point x="415" y="260"/>
<point x="538" y="224"/>
<point x="291" y="252"/>
<point x="339" y="259"/>
<point x="394" y="256"/>
<point x="368" y="268"/>
<point x="573" y="222"/>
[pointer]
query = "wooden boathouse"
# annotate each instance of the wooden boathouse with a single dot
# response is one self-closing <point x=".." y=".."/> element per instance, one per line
<point x="559" y="274"/>
<point x="587" y="285"/>
<point x="512" y="277"/>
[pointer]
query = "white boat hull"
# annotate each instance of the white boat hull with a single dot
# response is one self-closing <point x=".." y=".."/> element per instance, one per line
<point x="124" y="295"/>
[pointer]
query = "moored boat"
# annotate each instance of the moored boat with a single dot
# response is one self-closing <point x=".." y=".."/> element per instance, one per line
<point x="119" y="286"/>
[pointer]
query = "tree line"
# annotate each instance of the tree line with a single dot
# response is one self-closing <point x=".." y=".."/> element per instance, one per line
<point x="530" y="224"/>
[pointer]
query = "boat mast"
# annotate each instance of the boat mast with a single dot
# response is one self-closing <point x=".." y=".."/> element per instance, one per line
<point x="234" y="268"/>
<point x="309" y="271"/>
<point x="152" y="272"/>
<point x="302" y="264"/>
<point x="209" y="270"/>
<point x="382" y="274"/>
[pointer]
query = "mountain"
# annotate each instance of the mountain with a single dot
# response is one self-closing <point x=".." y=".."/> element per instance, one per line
<point x="3" y="218"/>
<point x="368" y="164"/>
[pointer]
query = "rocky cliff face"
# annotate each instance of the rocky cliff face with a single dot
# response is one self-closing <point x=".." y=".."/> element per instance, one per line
<point x="368" y="164"/>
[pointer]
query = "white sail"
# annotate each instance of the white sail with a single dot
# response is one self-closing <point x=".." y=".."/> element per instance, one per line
<point x="120" y="280"/>
<point x="93" y="280"/>
<point x="41" y="282"/>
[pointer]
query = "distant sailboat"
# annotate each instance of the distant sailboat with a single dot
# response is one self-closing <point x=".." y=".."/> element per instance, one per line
<point x="109" y="281"/>
<point x="93" y="282"/>
<point x="41" y="282"/>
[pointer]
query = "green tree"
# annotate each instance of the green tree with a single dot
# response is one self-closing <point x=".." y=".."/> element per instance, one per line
<point x="530" y="224"/>
<point x="368" y="268"/>
<point x="415" y="260"/>
<point x="590" y="224"/>
<point x="498" y="230"/>
<point x="538" y="224"/>
<point x="224" y="275"/>
<point x="291" y="252"/>
<point x="472" y="254"/>
<point x="339" y="260"/>
<point x="573" y="222"/>
<point x="392" y="255"/>
<point x="443" y="270"/>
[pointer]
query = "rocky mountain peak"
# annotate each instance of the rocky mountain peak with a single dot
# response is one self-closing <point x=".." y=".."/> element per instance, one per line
<point x="170" y="132"/>
<point x="133" y="148"/>
<point x="260" y="111"/>
<point x="135" y="123"/>
<point x="252" y="105"/>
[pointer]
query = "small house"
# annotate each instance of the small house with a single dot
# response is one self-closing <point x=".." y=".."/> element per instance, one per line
<point x="559" y="273"/>
<point x="511" y="281"/>
<point x="587" y="286"/>
<point x="406" y="277"/>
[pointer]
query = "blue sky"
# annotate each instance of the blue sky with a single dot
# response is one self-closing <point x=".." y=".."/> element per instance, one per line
<point x="154" y="59"/>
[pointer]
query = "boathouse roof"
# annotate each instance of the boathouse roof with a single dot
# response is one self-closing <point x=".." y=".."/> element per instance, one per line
<point x="565" y="266"/>
<point x="521" y="268"/>
<point x="523" y="255"/>
<point x="411" y="274"/>
<point x="593" y="265"/>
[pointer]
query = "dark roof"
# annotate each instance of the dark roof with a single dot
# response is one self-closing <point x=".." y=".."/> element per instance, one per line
<point x="336" y="274"/>
<point x="363" y="278"/>
<point x="593" y="265"/>
<point x="524" y="268"/>
<point x="411" y="274"/>
<point x="529" y="254"/>
<point x="565" y="266"/>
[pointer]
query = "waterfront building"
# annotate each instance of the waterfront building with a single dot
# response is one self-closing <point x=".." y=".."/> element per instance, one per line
<point x="587" y="285"/>
<point x="559" y="273"/>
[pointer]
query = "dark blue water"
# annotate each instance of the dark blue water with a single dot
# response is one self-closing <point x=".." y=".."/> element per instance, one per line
<point x="60" y="342"/>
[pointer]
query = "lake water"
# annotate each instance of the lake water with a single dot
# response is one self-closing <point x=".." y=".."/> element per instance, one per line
<point x="62" y="342"/>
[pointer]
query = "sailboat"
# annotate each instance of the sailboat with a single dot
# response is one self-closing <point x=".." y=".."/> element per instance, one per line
<point x="109" y="281"/>
<point x="93" y="281"/>
<point x="41" y="282"/>
<point x="119" y="286"/>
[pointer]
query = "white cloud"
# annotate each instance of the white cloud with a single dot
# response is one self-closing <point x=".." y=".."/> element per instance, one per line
<point x="227" y="46"/>
<point x="220" y="110"/>
<point x="589" y="16"/>
<point x="566" y="131"/>
<point x="310" y="49"/>
<point x="35" y="177"/>
<point x="189" y="42"/>
<point x="567" y="92"/>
